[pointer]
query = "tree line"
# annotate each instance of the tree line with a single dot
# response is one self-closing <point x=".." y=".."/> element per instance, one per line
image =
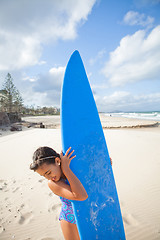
<point x="10" y="97"/>
<point x="11" y="101"/>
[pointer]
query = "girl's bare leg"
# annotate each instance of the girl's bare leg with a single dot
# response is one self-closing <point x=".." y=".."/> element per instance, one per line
<point x="70" y="231"/>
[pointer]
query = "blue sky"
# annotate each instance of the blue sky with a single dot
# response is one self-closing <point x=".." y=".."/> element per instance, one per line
<point x="119" y="42"/>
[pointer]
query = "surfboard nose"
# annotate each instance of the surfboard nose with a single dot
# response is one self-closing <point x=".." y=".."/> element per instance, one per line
<point x="75" y="55"/>
<point x="76" y="52"/>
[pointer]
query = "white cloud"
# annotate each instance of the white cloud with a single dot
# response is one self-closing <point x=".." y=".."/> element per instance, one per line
<point x="140" y="19"/>
<point x="32" y="98"/>
<point x="30" y="79"/>
<point x="17" y="51"/>
<point x="137" y="58"/>
<point x="57" y="72"/>
<point x="125" y="101"/>
<point x="45" y="89"/>
<point x="26" y="25"/>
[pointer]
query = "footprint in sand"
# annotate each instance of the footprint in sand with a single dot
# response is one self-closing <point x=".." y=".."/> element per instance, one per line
<point x="3" y="185"/>
<point x="19" y="209"/>
<point x="25" y="218"/>
<point x="22" y="206"/>
<point x="130" y="220"/>
<point x="2" y="229"/>
<point x="41" y="180"/>
<point x="15" y="190"/>
<point x="54" y="207"/>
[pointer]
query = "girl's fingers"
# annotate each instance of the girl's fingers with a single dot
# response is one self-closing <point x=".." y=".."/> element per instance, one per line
<point x="61" y="154"/>
<point x="71" y="154"/>
<point x="68" y="151"/>
<point x="72" y="157"/>
<point x="68" y="154"/>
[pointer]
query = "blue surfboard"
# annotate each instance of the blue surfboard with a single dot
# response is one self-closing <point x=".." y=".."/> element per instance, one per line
<point x="98" y="217"/>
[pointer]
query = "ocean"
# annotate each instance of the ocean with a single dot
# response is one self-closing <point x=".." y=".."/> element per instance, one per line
<point x="137" y="115"/>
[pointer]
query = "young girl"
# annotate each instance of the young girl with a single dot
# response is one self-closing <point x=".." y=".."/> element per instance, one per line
<point x="56" y="168"/>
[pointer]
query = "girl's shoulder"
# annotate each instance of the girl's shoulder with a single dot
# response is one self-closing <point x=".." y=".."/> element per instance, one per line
<point x="60" y="188"/>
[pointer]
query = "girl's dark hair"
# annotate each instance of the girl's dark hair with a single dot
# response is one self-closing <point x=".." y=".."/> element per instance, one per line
<point x="43" y="155"/>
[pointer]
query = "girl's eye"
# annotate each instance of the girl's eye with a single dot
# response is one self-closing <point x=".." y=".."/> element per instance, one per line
<point x="48" y="173"/>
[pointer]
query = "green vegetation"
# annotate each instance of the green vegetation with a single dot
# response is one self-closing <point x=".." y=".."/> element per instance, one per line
<point x="40" y="111"/>
<point x="10" y="98"/>
<point x="11" y="102"/>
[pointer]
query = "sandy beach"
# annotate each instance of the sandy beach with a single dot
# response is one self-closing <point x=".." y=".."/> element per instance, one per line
<point x="30" y="211"/>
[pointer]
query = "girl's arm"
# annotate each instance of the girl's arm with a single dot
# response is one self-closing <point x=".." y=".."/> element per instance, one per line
<point x="74" y="191"/>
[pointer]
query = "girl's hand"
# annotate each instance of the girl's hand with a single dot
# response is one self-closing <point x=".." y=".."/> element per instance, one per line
<point x="66" y="159"/>
<point x="75" y="189"/>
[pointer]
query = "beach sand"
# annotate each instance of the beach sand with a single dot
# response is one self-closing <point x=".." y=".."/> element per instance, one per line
<point x="108" y="122"/>
<point x="29" y="210"/>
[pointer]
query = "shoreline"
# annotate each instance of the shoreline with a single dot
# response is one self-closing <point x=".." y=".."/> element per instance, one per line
<point x="53" y="122"/>
<point x="112" y="122"/>
<point x="108" y="122"/>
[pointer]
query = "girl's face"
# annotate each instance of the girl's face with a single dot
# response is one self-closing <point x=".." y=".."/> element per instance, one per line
<point x="51" y="171"/>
